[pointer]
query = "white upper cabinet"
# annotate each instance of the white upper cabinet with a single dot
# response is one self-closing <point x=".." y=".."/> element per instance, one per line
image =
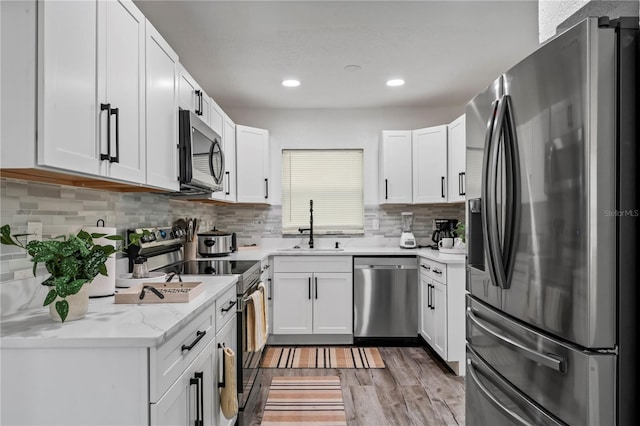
<point x="162" y="112"/>
<point x="67" y="70"/>
<point x="89" y="72"/>
<point x="395" y="167"/>
<point x="430" y="165"/>
<point x="230" y="178"/>
<point x="193" y="98"/>
<point x="252" y="165"/>
<point x="216" y="117"/>
<point x="456" y="160"/>
<point x="121" y="81"/>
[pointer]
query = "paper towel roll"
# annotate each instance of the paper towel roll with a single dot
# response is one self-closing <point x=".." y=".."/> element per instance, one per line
<point x="101" y="285"/>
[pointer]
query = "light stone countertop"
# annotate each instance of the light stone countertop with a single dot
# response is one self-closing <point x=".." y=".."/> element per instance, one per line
<point x="111" y="325"/>
<point x="259" y="253"/>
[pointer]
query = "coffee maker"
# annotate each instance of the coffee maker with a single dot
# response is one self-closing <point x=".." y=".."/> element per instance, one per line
<point x="442" y="228"/>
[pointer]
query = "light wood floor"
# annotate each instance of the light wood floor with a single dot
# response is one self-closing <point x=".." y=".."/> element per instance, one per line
<point x="414" y="389"/>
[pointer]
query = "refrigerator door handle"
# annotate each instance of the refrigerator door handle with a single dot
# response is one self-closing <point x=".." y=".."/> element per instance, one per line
<point x="512" y="200"/>
<point x="548" y="360"/>
<point x="488" y="199"/>
<point x="487" y="393"/>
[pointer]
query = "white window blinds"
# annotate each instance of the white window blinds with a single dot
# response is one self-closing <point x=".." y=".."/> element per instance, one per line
<point x="333" y="179"/>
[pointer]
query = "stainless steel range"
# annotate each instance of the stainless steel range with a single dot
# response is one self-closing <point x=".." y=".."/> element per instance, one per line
<point x="163" y="250"/>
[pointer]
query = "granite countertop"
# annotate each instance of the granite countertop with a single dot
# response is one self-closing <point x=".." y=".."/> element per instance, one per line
<point x="111" y="325"/>
<point x="259" y="253"/>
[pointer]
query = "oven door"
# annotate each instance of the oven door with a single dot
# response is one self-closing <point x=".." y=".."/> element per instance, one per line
<point x="248" y="362"/>
<point x="201" y="155"/>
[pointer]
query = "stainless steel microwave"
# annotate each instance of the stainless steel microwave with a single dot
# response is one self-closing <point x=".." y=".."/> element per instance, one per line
<point x="201" y="156"/>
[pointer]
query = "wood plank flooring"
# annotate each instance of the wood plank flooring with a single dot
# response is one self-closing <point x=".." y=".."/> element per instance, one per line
<point x="416" y="388"/>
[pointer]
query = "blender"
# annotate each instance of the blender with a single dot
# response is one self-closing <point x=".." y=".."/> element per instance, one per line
<point x="407" y="240"/>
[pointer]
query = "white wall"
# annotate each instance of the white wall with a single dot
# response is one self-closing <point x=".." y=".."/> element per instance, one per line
<point x="336" y="128"/>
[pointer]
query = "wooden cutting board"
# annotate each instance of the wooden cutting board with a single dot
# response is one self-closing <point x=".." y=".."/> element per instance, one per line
<point x="174" y="292"/>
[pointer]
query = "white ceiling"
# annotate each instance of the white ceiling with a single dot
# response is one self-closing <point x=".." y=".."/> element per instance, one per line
<point x="240" y="51"/>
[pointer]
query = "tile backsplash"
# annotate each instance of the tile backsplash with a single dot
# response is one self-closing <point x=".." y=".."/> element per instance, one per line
<point x="64" y="209"/>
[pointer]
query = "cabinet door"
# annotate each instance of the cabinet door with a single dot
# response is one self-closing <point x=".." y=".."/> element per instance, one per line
<point x="252" y="162"/>
<point x="193" y="390"/>
<point x="216" y="118"/>
<point x="456" y="160"/>
<point x="205" y="103"/>
<point x="426" y="313"/>
<point x="121" y="67"/>
<point x="439" y="302"/>
<point x="162" y="109"/>
<point x="229" y="136"/>
<point x="292" y="303"/>
<point x="226" y="337"/>
<point x="430" y="165"/>
<point x="395" y="167"/>
<point x="68" y="108"/>
<point x="332" y="303"/>
<point x="187" y="87"/>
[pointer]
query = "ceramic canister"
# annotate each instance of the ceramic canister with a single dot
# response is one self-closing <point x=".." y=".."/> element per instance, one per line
<point x="101" y="285"/>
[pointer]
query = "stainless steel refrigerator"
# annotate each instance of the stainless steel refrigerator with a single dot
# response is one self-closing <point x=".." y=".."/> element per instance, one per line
<point x="552" y="231"/>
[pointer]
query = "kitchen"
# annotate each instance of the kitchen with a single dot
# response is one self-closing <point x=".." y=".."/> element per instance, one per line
<point x="60" y="207"/>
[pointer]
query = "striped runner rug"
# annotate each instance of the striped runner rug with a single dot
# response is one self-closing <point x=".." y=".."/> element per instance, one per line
<point x="322" y="357"/>
<point x="304" y="401"/>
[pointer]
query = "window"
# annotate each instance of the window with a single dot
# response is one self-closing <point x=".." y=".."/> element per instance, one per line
<point x="333" y="179"/>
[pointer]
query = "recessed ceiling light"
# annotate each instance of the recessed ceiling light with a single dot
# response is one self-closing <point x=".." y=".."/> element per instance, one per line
<point x="395" y="82"/>
<point x="290" y="83"/>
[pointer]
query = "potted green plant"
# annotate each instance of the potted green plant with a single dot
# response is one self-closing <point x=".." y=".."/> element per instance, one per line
<point x="460" y="232"/>
<point x="72" y="260"/>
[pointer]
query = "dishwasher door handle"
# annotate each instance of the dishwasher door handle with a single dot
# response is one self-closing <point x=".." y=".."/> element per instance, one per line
<point x="388" y="267"/>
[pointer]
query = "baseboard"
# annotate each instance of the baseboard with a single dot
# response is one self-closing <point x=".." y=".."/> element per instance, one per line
<point x="310" y="339"/>
<point x="385" y="341"/>
<point x="444" y="364"/>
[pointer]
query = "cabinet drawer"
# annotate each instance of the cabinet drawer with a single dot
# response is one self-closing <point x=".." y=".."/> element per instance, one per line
<point x="312" y="263"/>
<point x="169" y="360"/>
<point x="226" y="307"/>
<point x="433" y="269"/>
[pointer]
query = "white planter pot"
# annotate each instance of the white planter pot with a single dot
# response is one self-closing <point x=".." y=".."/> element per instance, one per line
<point x="78" y="305"/>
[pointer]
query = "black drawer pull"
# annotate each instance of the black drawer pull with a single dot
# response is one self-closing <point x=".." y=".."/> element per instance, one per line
<point x="427" y="267"/>
<point x="437" y="271"/>
<point x="223" y="383"/>
<point x="228" y="308"/>
<point x="199" y="336"/>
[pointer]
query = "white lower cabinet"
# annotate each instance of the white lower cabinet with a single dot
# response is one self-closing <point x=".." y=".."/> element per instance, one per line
<point x="190" y="399"/>
<point x="442" y="322"/>
<point x="227" y="337"/>
<point x="312" y="302"/>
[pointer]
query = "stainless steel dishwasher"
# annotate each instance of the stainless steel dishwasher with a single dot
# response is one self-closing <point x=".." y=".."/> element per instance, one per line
<point x="385" y="297"/>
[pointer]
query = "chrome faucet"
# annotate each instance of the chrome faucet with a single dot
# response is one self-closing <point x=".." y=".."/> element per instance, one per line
<point x="310" y="228"/>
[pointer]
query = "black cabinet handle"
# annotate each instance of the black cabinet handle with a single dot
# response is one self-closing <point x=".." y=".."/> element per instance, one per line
<point x="199" y="375"/>
<point x="222" y="384"/>
<point x="266" y="186"/>
<point x="107" y="156"/>
<point x="309" y="288"/>
<point x="462" y="190"/>
<point x="442" y="186"/>
<point x="437" y="271"/>
<point x="228" y="183"/>
<point x="116" y="159"/>
<point x="316" y="278"/>
<point x="199" y="102"/>
<point x="228" y="308"/>
<point x="195" y="381"/>
<point x="433" y="302"/>
<point x="429" y="296"/>
<point x="199" y="336"/>
<point x="270" y="288"/>
<point x="427" y="267"/>
<point x="386" y="189"/>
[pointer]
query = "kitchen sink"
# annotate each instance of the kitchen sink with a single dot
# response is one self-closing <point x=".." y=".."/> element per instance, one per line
<point x="310" y="250"/>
